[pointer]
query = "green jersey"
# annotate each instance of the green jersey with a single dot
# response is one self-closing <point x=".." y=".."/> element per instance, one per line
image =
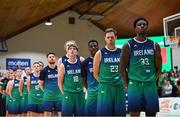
<point x="15" y="90"/>
<point x="36" y="94"/>
<point x="25" y="92"/>
<point x="109" y="70"/>
<point x="51" y="89"/>
<point x="142" y="60"/>
<point x="72" y="78"/>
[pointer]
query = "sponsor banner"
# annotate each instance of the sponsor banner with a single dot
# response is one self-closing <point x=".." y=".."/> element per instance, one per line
<point x="14" y="63"/>
<point x="169" y="106"/>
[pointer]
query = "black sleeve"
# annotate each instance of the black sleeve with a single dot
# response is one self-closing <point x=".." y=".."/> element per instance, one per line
<point x="84" y="69"/>
<point x="43" y="74"/>
<point x="5" y="82"/>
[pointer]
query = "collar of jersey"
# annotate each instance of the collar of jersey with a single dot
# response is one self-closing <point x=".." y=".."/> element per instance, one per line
<point x="140" y="41"/>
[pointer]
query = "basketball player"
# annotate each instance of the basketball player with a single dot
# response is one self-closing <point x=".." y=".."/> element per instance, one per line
<point x="106" y="65"/>
<point x="140" y="67"/>
<point x="24" y="92"/>
<point x="65" y="57"/>
<point x="49" y="84"/>
<point x="35" y="95"/>
<point x="70" y="84"/>
<point x="14" y="93"/>
<point x="90" y="82"/>
<point x="6" y="85"/>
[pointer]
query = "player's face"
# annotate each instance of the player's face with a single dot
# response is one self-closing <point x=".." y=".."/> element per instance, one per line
<point x="8" y="73"/>
<point x="93" y="48"/>
<point x="51" y="59"/>
<point x="110" y="38"/>
<point x="27" y="70"/>
<point x="67" y="45"/>
<point x="72" y="51"/>
<point x="11" y="74"/>
<point x="19" y="73"/>
<point x="141" y="27"/>
<point x="36" y="67"/>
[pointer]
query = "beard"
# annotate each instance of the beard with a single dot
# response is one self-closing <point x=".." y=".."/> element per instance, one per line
<point x="52" y="62"/>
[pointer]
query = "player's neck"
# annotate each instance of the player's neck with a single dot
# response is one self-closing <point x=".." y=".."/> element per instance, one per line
<point x="72" y="59"/>
<point x="110" y="47"/>
<point x="140" y="38"/>
<point x="36" y="73"/>
<point x="52" y="66"/>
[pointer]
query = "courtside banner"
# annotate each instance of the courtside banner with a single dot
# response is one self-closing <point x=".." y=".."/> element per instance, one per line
<point x="14" y="63"/>
<point x="169" y="106"/>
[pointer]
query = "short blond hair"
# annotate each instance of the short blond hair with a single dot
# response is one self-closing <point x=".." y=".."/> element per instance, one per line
<point x="72" y="41"/>
<point x="73" y="45"/>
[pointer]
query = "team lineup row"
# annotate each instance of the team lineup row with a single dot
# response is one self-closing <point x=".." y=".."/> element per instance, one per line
<point x="106" y="74"/>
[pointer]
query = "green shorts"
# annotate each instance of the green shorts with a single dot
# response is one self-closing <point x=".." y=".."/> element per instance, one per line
<point x="73" y="104"/>
<point x="143" y="96"/>
<point x="91" y="104"/>
<point x="111" y="100"/>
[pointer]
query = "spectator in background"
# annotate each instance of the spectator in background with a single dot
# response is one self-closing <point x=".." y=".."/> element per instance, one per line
<point x="167" y="89"/>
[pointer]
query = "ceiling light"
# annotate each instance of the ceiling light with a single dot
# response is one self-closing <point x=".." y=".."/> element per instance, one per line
<point x="48" y="22"/>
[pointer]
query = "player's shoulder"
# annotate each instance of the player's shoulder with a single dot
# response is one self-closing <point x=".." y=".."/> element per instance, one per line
<point x="45" y="69"/>
<point x="87" y="60"/>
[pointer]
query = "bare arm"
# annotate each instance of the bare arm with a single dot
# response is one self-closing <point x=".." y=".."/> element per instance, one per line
<point x="41" y="85"/>
<point x="158" y="60"/>
<point x="61" y="72"/>
<point x="1" y="91"/>
<point x="9" y="88"/>
<point x="59" y="62"/>
<point x="96" y="63"/>
<point x="124" y="63"/>
<point x="28" y="84"/>
<point x="21" y="87"/>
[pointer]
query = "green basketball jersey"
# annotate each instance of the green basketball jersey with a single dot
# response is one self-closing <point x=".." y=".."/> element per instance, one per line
<point x="15" y="90"/>
<point x="72" y="78"/>
<point x="51" y="89"/>
<point x="109" y="70"/>
<point x="25" y="85"/>
<point x="142" y="62"/>
<point x="36" y="94"/>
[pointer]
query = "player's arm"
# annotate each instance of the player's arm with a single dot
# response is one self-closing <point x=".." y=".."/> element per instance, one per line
<point x="28" y="84"/>
<point x="61" y="72"/>
<point x="9" y="87"/>
<point x="1" y="90"/>
<point x="41" y="79"/>
<point x="59" y="62"/>
<point x="84" y="73"/>
<point x="21" y="87"/>
<point x="158" y="60"/>
<point x="124" y="61"/>
<point x="96" y="63"/>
